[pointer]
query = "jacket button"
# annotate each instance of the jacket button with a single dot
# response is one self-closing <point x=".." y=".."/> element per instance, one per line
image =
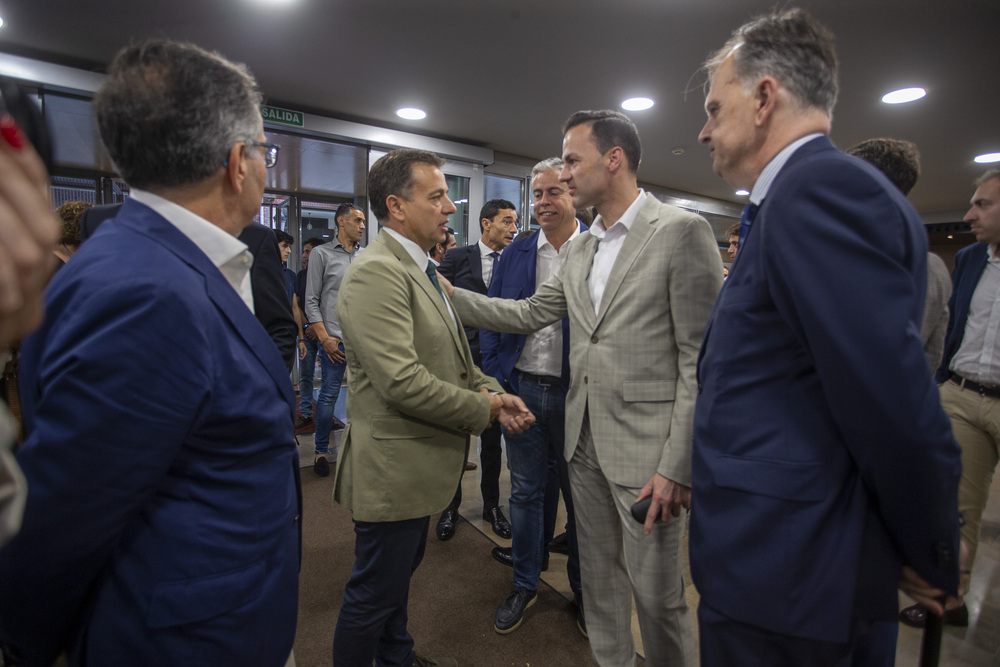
<point x="594" y="339"/>
<point x="464" y="375"/>
<point x="585" y="379"/>
<point x="699" y="387"/>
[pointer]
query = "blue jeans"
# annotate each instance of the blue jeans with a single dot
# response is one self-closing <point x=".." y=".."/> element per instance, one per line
<point x="307" y="373"/>
<point x="329" y="390"/>
<point x="529" y="456"/>
<point x="372" y="620"/>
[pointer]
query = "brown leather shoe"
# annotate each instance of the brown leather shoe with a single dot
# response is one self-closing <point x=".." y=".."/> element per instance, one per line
<point x="469" y="465"/>
<point x="915" y="616"/>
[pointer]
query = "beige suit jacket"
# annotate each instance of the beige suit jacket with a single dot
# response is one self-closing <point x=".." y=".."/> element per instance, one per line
<point x="632" y="364"/>
<point x="414" y="391"/>
<point x="935" y="322"/>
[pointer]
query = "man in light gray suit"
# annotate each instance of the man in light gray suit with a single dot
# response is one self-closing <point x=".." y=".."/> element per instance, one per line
<point x="638" y="289"/>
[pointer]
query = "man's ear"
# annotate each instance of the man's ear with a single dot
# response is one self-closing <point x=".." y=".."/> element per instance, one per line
<point x="395" y="205"/>
<point x="615" y="159"/>
<point x="235" y="166"/>
<point x="765" y="97"/>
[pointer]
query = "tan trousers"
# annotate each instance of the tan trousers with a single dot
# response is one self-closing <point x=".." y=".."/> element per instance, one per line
<point x="975" y="422"/>
<point x="619" y="563"/>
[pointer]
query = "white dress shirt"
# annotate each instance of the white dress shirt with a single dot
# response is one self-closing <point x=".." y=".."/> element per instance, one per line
<point x="610" y="244"/>
<point x="230" y="255"/>
<point x="542" y="352"/>
<point x="977" y="357"/>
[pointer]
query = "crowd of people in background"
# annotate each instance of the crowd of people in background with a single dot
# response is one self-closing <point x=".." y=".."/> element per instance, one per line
<point x="829" y="418"/>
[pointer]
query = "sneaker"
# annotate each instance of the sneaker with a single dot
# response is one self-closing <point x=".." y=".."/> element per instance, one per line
<point x="510" y="613"/>
<point x="321" y="466"/>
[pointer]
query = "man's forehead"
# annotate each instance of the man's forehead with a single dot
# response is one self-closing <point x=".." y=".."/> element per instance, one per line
<point x="539" y="181"/>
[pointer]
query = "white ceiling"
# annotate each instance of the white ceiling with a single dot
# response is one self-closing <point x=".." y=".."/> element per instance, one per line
<point x="504" y="74"/>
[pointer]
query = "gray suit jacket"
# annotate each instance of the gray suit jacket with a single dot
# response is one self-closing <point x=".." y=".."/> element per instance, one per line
<point x="935" y="323"/>
<point x="632" y="364"/>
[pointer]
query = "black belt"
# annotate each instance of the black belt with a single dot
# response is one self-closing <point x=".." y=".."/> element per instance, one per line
<point x="991" y="390"/>
<point x="543" y="380"/>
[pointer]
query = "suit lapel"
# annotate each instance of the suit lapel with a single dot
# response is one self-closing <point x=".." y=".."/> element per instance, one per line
<point x="226" y="299"/>
<point x="419" y="277"/>
<point x="577" y="279"/>
<point x="635" y="240"/>
<point x="476" y="265"/>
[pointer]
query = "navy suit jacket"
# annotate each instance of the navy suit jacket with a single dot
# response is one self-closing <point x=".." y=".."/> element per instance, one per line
<point x="822" y="458"/>
<point x="162" y="523"/>
<point x="969" y="265"/>
<point x="515" y="279"/>
<point x="463" y="267"/>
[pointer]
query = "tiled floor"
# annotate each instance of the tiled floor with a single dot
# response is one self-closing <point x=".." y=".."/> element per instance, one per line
<point x="975" y="646"/>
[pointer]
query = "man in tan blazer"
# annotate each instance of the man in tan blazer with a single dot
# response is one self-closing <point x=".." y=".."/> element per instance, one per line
<point x="638" y="288"/>
<point x="415" y="396"/>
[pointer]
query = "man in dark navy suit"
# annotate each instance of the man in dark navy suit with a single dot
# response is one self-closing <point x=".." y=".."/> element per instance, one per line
<point x="472" y="267"/>
<point x="825" y="473"/>
<point x="162" y="523"/>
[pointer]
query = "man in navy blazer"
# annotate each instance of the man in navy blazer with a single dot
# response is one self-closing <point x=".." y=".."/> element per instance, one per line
<point x="162" y="521"/>
<point x="969" y="374"/>
<point x="825" y="473"/>
<point x="536" y="368"/>
<point x="471" y="267"/>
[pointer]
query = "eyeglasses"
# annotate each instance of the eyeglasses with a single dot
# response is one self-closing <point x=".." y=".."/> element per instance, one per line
<point x="270" y="152"/>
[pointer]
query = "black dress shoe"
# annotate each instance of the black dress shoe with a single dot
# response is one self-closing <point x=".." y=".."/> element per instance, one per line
<point x="505" y="555"/>
<point x="495" y="517"/>
<point x="321" y="466"/>
<point x="915" y="616"/>
<point x="338" y="425"/>
<point x="446" y="524"/>
<point x="559" y="544"/>
<point x="510" y="613"/>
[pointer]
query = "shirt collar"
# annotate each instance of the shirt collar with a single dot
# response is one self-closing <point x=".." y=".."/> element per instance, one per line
<point x="419" y="257"/>
<point x="220" y="246"/>
<point x="763" y="183"/>
<point x="485" y="250"/>
<point x="628" y="217"/>
<point x="991" y="255"/>
<point x="543" y="240"/>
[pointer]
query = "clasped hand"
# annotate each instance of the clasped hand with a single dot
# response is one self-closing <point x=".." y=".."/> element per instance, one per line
<point x="514" y="415"/>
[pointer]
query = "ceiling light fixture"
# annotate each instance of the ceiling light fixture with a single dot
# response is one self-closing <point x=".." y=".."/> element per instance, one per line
<point x="903" y="95"/>
<point x="1" y="22"/>
<point x="637" y="104"/>
<point x="986" y="158"/>
<point x="410" y="113"/>
<point x="742" y="193"/>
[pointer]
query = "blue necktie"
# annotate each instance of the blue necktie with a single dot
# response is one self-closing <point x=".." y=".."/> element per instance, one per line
<point x="749" y="213"/>
<point x="431" y="271"/>
<point x="496" y="258"/>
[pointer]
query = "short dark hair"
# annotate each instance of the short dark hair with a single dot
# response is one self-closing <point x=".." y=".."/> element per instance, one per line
<point x="169" y="113"/>
<point x="491" y="208"/>
<point x="284" y="237"/>
<point x="610" y="128"/>
<point x="792" y="47"/>
<point x="69" y="214"/>
<point x="393" y="175"/>
<point x="314" y="242"/>
<point x="344" y="209"/>
<point x="898" y="159"/>
<point x="734" y="230"/>
<point x="988" y="176"/>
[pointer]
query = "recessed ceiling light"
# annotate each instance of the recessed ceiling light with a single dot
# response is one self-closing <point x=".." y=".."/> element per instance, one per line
<point x="637" y="104"/>
<point x="742" y="193"/>
<point x="987" y="158"/>
<point x="409" y="113"/>
<point x="903" y="95"/>
<point x="1" y="22"/>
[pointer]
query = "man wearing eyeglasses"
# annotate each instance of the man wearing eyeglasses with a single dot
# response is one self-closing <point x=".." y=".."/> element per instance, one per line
<point x="162" y="523"/>
<point x="327" y="265"/>
<point x="472" y="267"/>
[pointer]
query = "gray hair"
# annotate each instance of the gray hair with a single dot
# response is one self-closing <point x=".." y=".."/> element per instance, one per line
<point x="170" y="113"/>
<point x="988" y="176"/>
<point x="548" y="164"/>
<point x="793" y="48"/>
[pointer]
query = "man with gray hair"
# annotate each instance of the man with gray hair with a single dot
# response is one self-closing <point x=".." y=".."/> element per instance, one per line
<point x="536" y="368"/>
<point x="162" y="523"/>
<point x="825" y="472"/>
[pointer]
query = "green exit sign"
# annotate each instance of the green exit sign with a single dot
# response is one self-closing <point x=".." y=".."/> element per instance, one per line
<point x="276" y="115"/>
